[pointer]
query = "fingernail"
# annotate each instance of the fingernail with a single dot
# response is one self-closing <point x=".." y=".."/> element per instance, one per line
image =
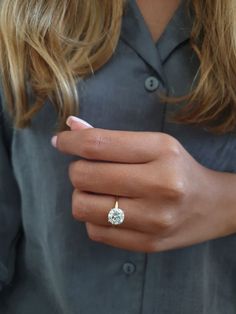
<point x="72" y="119"/>
<point x="54" y="141"/>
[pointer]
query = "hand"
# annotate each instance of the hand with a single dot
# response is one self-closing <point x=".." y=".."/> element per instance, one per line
<point x="167" y="196"/>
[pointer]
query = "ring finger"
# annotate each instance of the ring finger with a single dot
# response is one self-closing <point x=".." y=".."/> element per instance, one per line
<point x="94" y="208"/>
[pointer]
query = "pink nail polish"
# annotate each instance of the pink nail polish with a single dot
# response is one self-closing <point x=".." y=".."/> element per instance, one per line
<point x="73" y="119"/>
<point x="54" y="141"/>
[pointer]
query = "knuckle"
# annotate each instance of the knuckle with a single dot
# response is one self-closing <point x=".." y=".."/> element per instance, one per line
<point x="93" y="234"/>
<point x="78" y="173"/>
<point x="170" y="146"/>
<point x="163" y="222"/>
<point x="172" y="186"/>
<point x="93" y="143"/>
<point x="167" y="220"/>
<point x="79" y="209"/>
<point x="72" y="170"/>
<point x="151" y="245"/>
<point x="176" y="188"/>
<point x="61" y="138"/>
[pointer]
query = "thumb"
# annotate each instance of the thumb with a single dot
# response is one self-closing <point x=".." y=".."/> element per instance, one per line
<point x="77" y="124"/>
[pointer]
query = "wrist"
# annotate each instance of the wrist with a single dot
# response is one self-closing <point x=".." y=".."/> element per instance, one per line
<point x="222" y="200"/>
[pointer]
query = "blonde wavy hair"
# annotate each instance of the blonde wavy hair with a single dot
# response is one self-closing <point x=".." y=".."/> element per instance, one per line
<point x="48" y="45"/>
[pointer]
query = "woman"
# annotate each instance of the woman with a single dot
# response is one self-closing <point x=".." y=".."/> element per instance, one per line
<point x="155" y="79"/>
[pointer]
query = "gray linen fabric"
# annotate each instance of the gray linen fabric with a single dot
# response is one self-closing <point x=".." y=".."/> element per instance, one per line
<point x="47" y="262"/>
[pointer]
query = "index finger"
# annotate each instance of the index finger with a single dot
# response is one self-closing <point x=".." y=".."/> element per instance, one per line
<point x="110" y="145"/>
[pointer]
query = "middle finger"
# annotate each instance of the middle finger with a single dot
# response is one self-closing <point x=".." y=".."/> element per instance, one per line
<point x="108" y="178"/>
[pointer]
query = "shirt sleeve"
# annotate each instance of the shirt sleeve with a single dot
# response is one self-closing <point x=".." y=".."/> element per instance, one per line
<point x="10" y="204"/>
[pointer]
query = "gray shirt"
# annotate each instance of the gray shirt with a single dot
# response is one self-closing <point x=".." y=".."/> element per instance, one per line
<point x="48" y="264"/>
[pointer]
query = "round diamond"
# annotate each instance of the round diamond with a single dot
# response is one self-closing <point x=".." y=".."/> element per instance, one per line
<point x="116" y="216"/>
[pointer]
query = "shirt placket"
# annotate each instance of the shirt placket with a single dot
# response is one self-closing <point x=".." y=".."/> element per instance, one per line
<point x="137" y="36"/>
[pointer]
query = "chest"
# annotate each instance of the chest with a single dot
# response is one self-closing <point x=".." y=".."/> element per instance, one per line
<point x="157" y="14"/>
<point x="118" y="97"/>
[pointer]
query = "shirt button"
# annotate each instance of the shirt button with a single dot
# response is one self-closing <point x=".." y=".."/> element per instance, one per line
<point x="151" y="83"/>
<point x="128" y="268"/>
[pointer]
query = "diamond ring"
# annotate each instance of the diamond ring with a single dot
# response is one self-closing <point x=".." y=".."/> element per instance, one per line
<point x="116" y="215"/>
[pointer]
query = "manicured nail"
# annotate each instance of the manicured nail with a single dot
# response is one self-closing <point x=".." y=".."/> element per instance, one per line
<point x="73" y="119"/>
<point x="54" y="141"/>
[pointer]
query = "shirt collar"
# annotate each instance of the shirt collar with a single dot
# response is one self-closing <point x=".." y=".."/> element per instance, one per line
<point x="137" y="35"/>
<point x="176" y="33"/>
